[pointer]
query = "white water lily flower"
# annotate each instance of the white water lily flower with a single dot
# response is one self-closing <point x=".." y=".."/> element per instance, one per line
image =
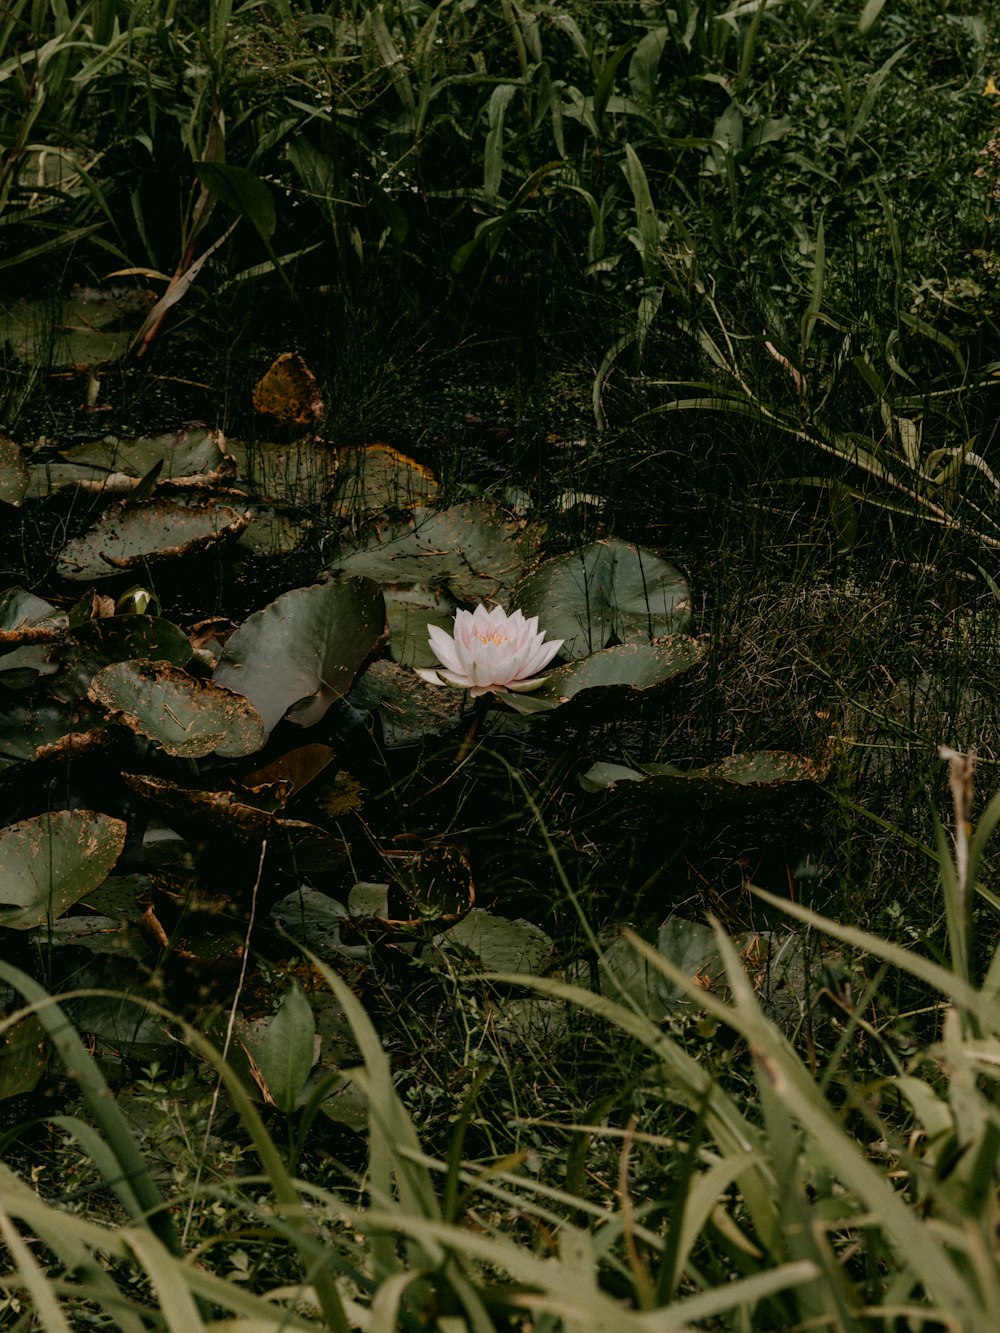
<point x="490" y="650"/>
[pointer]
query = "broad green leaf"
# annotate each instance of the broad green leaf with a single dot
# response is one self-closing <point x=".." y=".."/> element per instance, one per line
<point x="87" y="329"/>
<point x="622" y="670"/>
<point x="609" y="591"/>
<point x="97" y="643"/>
<point x="499" y="944"/>
<point x="126" y="538"/>
<point x="475" y="550"/>
<point x="46" y="728"/>
<point x="243" y="191"/>
<point x="194" y="456"/>
<point x="409" y="709"/>
<point x="50" y="862"/>
<point x="186" y="716"/>
<point x="288" y="1052"/>
<point x="739" y="775"/>
<point x="409" y="611"/>
<point x="23" y="1057"/>
<point x="379" y="480"/>
<point x="303" y="651"/>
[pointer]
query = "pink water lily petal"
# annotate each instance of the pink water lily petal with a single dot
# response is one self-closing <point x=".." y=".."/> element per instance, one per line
<point x="490" y="650"/>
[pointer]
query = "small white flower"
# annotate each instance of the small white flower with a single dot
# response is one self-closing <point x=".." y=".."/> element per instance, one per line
<point x="490" y="650"/>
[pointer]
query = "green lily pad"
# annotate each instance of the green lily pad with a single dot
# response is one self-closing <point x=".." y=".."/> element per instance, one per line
<point x="497" y="944"/>
<point x="272" y="532"/>
<point x="45" y="729"/>
<point x="625" y="669"/>
<point x="302" y="652"/>
<point x="376" y="479"/>
<point x="126" y="538"/>
<point x="96" y="934"/>
<point x="609" y="591"/>
<point x="97" y="643"/>
<point x="315" y="920"/>
<point x="408" y="708"/>
<point x="409" y="611"/>
<point x="13" y="473"/>
<point x="739" y="776"/>
<point x="26" y="620"/>
<point x="300" y="473"/>
<point x="50" y="862"/>
<point x="194" y="456"/>
<point x="478" y="552"/>
<point x="689" y="945"/>
<point x="222" y="815"/>
<point x="85" y="330"/>
<point x="185" y="716"/>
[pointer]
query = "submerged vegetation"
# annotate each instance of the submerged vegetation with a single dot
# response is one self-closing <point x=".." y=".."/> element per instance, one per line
<point x="643" y="354"/>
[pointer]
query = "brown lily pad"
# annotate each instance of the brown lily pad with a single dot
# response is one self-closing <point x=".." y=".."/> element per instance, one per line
<point x="126" y="538"/>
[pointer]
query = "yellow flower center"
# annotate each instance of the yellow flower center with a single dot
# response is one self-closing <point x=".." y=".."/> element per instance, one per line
<point x="497" y="637"/>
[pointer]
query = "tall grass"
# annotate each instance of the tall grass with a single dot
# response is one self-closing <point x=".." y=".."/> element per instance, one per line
<point x="846" y="1197"/>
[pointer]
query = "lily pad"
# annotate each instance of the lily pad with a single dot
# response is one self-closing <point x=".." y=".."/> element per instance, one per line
<point x="409" y="611"/>
<point x="498" y="944"/>
<point x="303" y="651"/>
<point x="477" y="551"/>
<point x="194" y="456"/>
<point x="89" y="328"/>
<point x="739" y="776"/>
<point x="377" y="479"/>
<point x="45" y="729"/>
<point x="13" y="473"/>
<point x="223" y="815"/>
<point x="409" y="710"/>
<point x="625" y="669"/>
<point x="50" y="862"/>
<point x="126" y="538"/>
<point x="300" y="473"/>
<point x="97" y="643"/>
<point x="26" y="619"/>
<point x="315" y="920"/>
<point x="689" y="945"/>
<point x="186" y="717"/>
<point x="608" y="592"/>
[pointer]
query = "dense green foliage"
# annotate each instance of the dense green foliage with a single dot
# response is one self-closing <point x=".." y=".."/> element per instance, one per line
<point x="684" y="318"/>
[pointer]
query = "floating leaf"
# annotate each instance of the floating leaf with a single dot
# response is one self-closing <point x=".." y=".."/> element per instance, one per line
<point x="273" y="533"/>
<point x="477" y="551"/>
<point x="300" y="473"/>
<point x="738" y="777"/>
<point x="378" y="480"/>
<point x="97" y="643"/>
<point x="609" y="591"/>
<point x="126" y="538"/>
<point x="96" y="934"/>
<point x="289" y="394"/>
<point x="409" y="709"/>
<point x="26" y="619"/>
<point x="89" y="328"/>
<point x="624" y="669"/>
<point x="13" y="473"/>
<point x="302" y="651"/>
<point x="223" y="815"/>
<point x="187" y="717"/>
<point x="194" y="456"/>
<point x="46" y="729"/>
<point x="499" y="945"/>
<point x="315" y="920"/>
<point x="50" y="862"/>
<point x="409" y="611"/>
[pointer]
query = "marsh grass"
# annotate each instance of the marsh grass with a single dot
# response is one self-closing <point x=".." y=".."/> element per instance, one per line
<point x="524" y="252"/>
